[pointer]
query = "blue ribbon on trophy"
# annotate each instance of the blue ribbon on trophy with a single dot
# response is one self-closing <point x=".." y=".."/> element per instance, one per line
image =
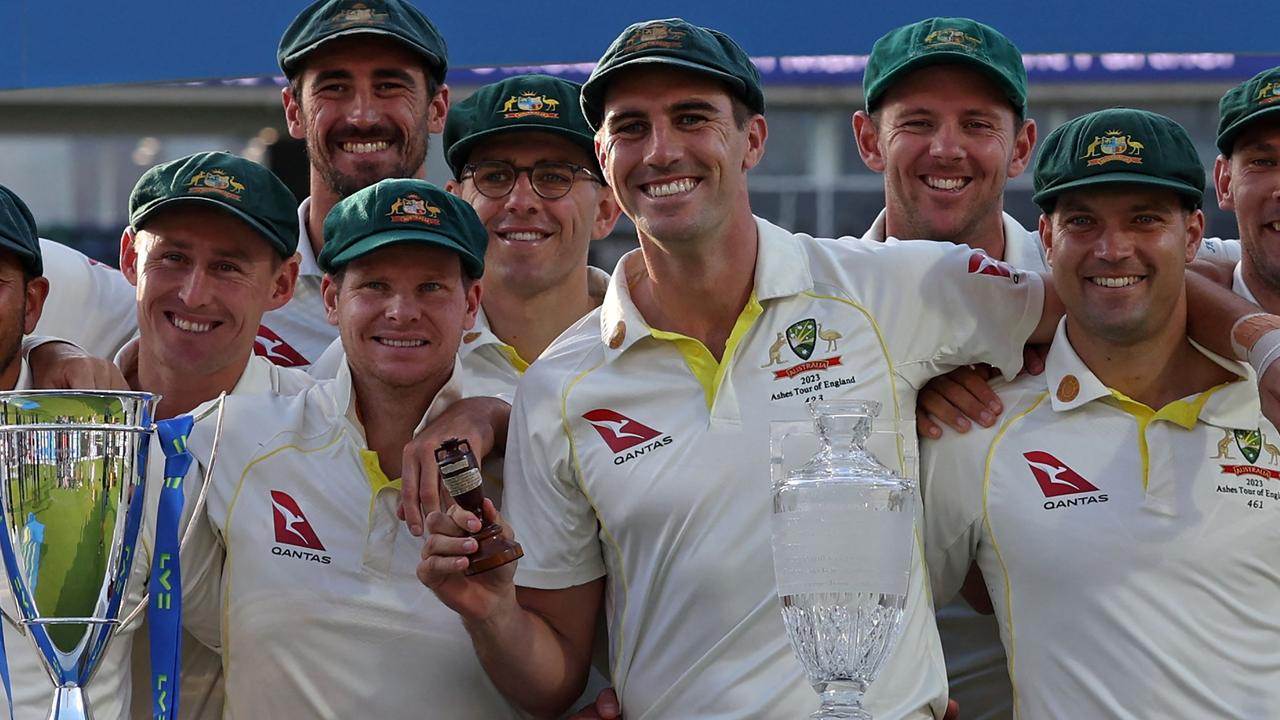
<point x="71" y="463"/>
<point x="164" y="610"/>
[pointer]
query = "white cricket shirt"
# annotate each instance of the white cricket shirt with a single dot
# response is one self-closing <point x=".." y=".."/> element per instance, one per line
<point x="298" y="333"/>
<point x="89" y="303"/>
<point x="977" y="677"/>
<point x="322" y="615"/>
<point x="1132" y="555"/>
<point x="201" y="689"/>
<point x="633" y="454"/>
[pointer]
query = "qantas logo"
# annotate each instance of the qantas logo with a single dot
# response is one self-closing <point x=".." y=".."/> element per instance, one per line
<point x="1056" y="480"/>
<point x="293" y="528"/>
<point x="624" y="435"/>
<point x="982" y="264"/>
<point x="272" y="347"/>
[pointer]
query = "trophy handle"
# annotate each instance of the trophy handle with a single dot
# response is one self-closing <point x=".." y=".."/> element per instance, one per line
<point x="200" y="497"/>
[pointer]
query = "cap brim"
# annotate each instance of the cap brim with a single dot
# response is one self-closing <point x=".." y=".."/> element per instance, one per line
<point x="1228" y="137"/>
<point x="593" y="90"/>
<point x="948" y="57"/>
<point x="137" y="221"/>
<point x="474" y="266"/>
<point x="1130" y="178"/>
<point x="457" y="154"/>
<point x="291" y="60"/>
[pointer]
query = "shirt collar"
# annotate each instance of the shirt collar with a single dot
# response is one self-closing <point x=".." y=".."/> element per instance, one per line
<point x="782" y="270"/>
<point x="478" y="336"/>
<point x="1072" y="384"/>
<point x="1239" y="287"/>
<point x="24" y="375"/>
<point x="1022" y="247"/>
<point x="307" y="264"/>
<point x="255" y="378"/>
<point x="341" y="391"/>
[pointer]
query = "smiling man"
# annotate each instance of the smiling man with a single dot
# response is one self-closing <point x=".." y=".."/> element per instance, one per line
<point x="366" y="89"/>
<point x="1247" y="180"/>
<point x="522" y="155"/>
<point x="678" y="537"/>
<point x="315" y="581"/>
<point x="1126" y="494"/>
<point x="210" y="248"/>
<point x="945" y="124"/>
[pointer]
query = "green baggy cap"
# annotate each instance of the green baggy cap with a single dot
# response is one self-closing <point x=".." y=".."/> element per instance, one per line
<point x="18" y="232"/>
<point x="329" y="20"/>
<point x="519" y="103"/>
<point x="1248" y="102"/>
<point x="1118" y="145"/>
<point x="403" y="210"/>
<point x="674" y="42"/>
<point x="248" y="191"/>
<point x="939" y="41"/>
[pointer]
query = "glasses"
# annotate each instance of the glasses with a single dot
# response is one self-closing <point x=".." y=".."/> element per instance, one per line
<point x="550" y="180"/>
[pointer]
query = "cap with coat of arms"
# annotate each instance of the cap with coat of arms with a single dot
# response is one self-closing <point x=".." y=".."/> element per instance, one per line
<point x="941" y="41"/>
<point x="538" y="103"/>
<point x="1246" y="103"/>
<point x="243" y="188"/>
<point x="1118" y="145"/>
<point x="675" y="43"/>
<point x="402" y="210"/>
<point x="327" y="20"/>
<point x="18" y="232"/>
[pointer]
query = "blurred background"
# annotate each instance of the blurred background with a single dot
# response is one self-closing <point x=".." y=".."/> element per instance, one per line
<point x="92" y="95"/>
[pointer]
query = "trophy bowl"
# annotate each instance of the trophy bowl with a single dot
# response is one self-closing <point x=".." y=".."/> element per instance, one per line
<point x="72" y="478"/>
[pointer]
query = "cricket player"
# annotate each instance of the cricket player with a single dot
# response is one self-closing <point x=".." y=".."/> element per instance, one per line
<point x="1121" y="514"/>
<point x="314" y="562"/>
<point x="23" y="289"/>
<point x="636" y="462"/>
<point x="210" y="247"/>
<point x="533" y="179"/>
<point x="1246" y="178"/>
<point x="945" y="123"/>
<point x="366" y="89"/>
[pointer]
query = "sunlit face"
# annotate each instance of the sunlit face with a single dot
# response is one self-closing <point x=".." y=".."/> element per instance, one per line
<point x="204" y="280"/>
<point x="401" y="311"/>
<point x="365" y="111"/>
<point x="1248" y="183"/>
<point x="536" y="243"/>
<point x="1118" y="255"/>
<point x="947" y="141"/>
<point x="673" y="153"/>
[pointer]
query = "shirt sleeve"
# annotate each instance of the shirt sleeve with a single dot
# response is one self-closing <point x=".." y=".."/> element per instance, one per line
<point x="89" y="303"/>
<point x="951" y="305"/>
<point x="1219" y="249"/>
<point x="542" y="498"/>
<point x="952" y="470"/>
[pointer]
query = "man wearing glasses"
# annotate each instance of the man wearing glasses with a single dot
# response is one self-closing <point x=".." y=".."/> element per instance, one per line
<point x="523" y="155"/>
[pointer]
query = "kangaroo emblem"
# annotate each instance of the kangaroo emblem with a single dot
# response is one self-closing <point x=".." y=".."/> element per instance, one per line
<point x="1224" y="448"/>
<point x="775" y="351"/>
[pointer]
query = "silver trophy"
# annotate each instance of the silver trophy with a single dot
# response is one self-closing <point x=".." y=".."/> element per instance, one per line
<point x="842" y="546"/>
<point x="73" y="468"/>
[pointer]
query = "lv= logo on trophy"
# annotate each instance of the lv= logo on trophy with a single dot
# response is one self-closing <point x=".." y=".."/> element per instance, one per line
<point x="73" y="469"/>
